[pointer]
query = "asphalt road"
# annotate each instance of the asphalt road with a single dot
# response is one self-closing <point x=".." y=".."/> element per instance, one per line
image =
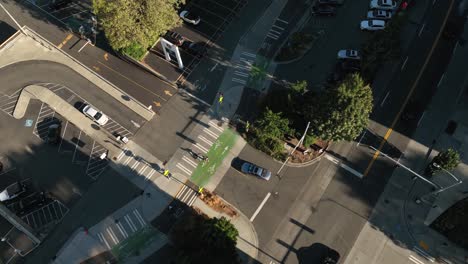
<point x="13" y="77"/>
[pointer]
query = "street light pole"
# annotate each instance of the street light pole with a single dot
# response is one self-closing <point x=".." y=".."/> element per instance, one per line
<point x="297" y="145"/>
<point x="457" y="182"/>
<point x="408" y="169"/>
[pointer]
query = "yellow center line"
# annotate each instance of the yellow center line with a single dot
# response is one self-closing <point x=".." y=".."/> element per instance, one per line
<point x="413" y="87"/>
<point x="132" y="81"/>
<point x="67" y="38"/>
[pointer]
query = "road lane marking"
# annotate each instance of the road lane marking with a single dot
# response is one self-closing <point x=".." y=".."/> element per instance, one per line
<point x="260" y="207"/>
<point x="344" y="166"/>
<point x="440" y="81"/>
<point x="413" y="87"/>
<point x="404" y="63"/>
<point x="420" y="119"/>
<point x="132" y="81"/>
<point x="67" y="38"/>
<point x="385" y="98"/>
<point x="421" y="30"/>
<point x="415" y="260"/>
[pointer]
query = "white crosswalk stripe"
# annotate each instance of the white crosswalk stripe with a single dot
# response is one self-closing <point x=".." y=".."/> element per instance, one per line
<point x="130" y="223"/>
<point x="215" y="126"/>
<point x="211" y="133"/>
<point x="200" y="147"/>
<point x="139" y="217"/>
<point x="184" y="169"/>
<point x="103" y="240"/>
<point x="202" y="138"/>
<point x="190" y="161"/>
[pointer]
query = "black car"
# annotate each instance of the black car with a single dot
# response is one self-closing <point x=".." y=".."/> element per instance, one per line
<point x="328" y="2"/>
<point x="197" y="49"/>
<point x="174" y="37"/>
<point x="58" y="4"/>
<point x="324" y="10"/>
<point x="53" y="133"/>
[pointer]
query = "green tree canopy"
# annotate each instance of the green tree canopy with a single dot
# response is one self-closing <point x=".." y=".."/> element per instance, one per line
<point x="342" y="113"/>
<point x="447" y="160"/>
<point x="270" y="129"/>
<point x="126" y="22"/>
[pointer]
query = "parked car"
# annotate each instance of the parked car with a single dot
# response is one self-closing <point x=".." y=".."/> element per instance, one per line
<point x="328" y="2"/>
<point x="323" y="10"/>
<point x="197" y="49"/>
<point x="174" y="37"/>
<point x="190" y="17"/>
<point x="349" y="54"/>
<point x="250" y="168"/>
<point x="53" y="133"/>
<point x="383" y="4"/>
<point x="95" y="115"/>
<point x="372" y="25"/>
<point x="12" y="191"/>
<point x="379" y="14"/>
<point x="58" y="4"/>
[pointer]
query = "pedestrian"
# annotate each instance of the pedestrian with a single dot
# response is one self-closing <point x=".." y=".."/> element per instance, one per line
<point x="221" y="98"/>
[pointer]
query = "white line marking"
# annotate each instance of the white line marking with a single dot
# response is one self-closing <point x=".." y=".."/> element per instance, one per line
<point x="150" y="175"/>
<point x="440" y="81"/>
<point x="260" y="207"/>
<point x="415" y="260"/>
<point x="455" y="49"/>
<point x="130" y="223"/>
<point x="184" y="169"/>
<point x="200" y="147"/>
<point x="109" y="231"/>
<point x="124" y="234"/>
<point x="421" y="30"/>
<point x="281" y="20"/>
<point x="143" y="169"/>
<point x="135" y="165"/>
<point x="249" y="54"/>
<point x="272" y="36"/>
<point x="404" y="63"/>
<point x="192" y="201"/>
<point x="121" y="154"/>
<point x="353" y="171"/>
<point x="63" y="135"/>
<point x="76" y="146"/>
<point x="139" y="217"/>
<point x="202" y="138"/>
<point x="214" y="67"/>
<point x="189" y="161"/>
<point x="363" y="134"/>
<point x="238" y="81"/>
<point x="128" y="160"/>
<point x="243" y="74"/>
<point x="211" y="133"/>
<point x="275" y="26"/>
<point x="276" y="32"/>
<point x="104" y="240"/>
<point x="420" y="119"/>
<point x="181" y="191"/>
<point x="385" y="98"/>
<point x="215" y="126"/>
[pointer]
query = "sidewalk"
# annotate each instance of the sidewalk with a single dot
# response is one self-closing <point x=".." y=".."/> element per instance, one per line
<point x="406" y="237"/>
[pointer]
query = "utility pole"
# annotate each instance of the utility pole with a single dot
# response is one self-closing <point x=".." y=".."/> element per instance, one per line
<point x="297" y="145"/>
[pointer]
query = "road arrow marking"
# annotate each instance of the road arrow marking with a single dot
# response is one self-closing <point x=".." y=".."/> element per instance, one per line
<point x="167" y="92"/>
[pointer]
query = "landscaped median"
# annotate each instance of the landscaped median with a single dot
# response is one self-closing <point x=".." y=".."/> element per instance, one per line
<point x="216" y="154"/>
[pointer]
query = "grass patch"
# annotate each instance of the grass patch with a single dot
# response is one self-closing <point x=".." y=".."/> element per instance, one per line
<point x="135" y="51"/>
<point x="135" y="243"/>
<point x="218" y="151"/>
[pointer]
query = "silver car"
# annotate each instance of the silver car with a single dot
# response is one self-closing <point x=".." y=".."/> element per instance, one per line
<point x="190" y="17"/>
<point x="95" y="115"/>
<point x="372" y="25"/>
<point x="379" y="14"/>
<point x="383" y="4"/>
<point x="250" y="168"/>
<point x="348" y="54"/>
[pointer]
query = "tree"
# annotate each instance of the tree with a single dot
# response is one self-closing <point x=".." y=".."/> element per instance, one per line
<point x="269" y="132"/>
<point x="447" y="160"/>
<point x="129" y="22"/>
<point x="342" y="113"/>
<point x="299" y="87"/>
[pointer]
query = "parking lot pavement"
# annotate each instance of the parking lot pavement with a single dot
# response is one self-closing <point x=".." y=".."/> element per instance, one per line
<point x="50" y="213"/>
<point x="216" y="15"/>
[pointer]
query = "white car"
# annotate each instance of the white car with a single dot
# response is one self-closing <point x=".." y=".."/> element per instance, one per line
<point x="95" y="115"/>
<point x="349" y="54"/>
<point x="379" y="14"/>
<point x="372" y="25"/>
<point x="190" y="17"/>
<point x="383" y="4"/>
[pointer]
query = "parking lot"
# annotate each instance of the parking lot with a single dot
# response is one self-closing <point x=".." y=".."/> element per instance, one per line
<point x="215" y="17"/>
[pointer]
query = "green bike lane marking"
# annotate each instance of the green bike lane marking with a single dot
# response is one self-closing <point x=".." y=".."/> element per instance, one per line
<point x="136" y="242"/>
<point x="216" y="154"/>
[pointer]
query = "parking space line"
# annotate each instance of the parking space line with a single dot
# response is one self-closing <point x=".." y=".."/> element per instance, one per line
<point x="76" y="147"/>
<point x="130" y="223"/>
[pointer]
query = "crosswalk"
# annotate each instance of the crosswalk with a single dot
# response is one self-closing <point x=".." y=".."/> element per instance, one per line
<point x="243" y="67"/>
<point x="136" y="165"/>
<point x="204" y="141"/>
<point x="187" y="195"/>
<point x="277" y="29"/>
<point x="121" y="229"/>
